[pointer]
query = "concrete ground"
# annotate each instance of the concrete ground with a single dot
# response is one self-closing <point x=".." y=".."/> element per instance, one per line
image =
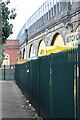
<point x="14" y="104"/>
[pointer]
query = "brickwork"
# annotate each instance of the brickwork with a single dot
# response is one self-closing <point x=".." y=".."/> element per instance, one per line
<point x="65" y="22"/>
<point x="11" y="47"/>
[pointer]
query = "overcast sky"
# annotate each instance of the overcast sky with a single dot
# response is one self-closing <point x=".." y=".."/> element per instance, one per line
<point x="24" y="9"/>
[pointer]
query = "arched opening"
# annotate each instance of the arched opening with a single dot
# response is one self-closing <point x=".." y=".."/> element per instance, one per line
<point x="78" y="28"/>
<point x="32" y="52"/>
<point x="20" y="54"/>
<point x="6" y="60"/>
<point x="40" y="46"/>
<point x="24" y="53"/>
<point x="57" y="40"/>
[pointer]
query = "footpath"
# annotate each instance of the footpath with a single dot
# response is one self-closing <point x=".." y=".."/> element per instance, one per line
<point x="14" y="103"/>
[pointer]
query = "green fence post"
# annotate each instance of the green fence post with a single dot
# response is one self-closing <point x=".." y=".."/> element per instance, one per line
<point x="4" y="72"/>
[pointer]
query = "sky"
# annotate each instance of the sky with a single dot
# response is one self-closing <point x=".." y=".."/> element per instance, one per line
<point x="24" y="9"/>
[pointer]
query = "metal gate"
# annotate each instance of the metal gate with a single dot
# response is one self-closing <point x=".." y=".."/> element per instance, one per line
<point x="7" y="72"/>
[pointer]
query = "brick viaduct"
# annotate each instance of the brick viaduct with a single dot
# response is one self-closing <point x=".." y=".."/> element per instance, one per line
<point x="49" y="26"/>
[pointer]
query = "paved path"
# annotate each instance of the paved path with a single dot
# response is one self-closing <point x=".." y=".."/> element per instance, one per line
<point x="14" y="103"/>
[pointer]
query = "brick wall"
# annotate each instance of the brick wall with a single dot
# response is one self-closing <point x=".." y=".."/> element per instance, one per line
<point x="11" y="47"/>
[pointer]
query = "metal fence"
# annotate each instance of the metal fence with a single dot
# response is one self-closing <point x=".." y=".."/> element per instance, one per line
<point x="52" y="84"/>
<point x="7" y="72"/>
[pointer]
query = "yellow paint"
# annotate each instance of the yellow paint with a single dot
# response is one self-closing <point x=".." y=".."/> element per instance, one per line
<point x="57" y="46"/>
<point x="42" y="46"/>
<point x="59" y="41"/>
<point x="55" y="49"/>
<point x="20" y="61"/>
<point x="78" y="29"/>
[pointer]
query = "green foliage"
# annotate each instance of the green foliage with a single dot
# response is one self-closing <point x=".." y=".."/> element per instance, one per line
<point x="6" y="15"/>
<point x="5" y="26"/>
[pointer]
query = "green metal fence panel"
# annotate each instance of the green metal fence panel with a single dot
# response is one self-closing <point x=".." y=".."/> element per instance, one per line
<point x="34" y="83"/>
<point x="17" y="75"/>
<point x="44" y="85"/>
<point x="27" y="80"/>
<point x="62" y="85"/>
<point x="23" y="77"/>
<point x="52" y="84"/>
<point x="7" y="72"/>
